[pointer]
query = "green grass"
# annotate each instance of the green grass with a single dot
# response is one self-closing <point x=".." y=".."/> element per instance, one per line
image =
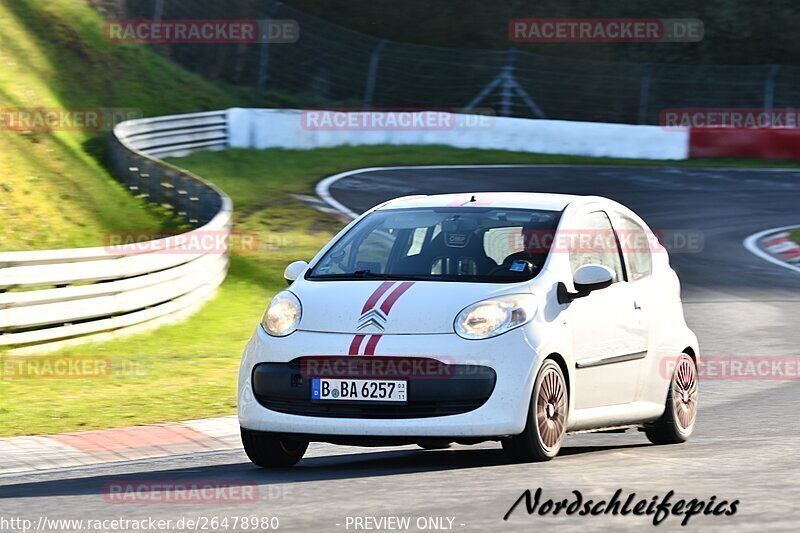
<point x="54" y="189"/>
<point x="189" y="370"/>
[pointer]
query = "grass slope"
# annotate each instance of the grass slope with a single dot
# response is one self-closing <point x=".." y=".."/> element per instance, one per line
<point x="54" y="191"/>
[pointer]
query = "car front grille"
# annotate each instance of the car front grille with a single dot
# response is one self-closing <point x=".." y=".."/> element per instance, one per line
<point x="449" y="390"/>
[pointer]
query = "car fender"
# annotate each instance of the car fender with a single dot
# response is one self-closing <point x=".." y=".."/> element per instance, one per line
<point x="668" y="342"/>
<point x="550" y="336"/>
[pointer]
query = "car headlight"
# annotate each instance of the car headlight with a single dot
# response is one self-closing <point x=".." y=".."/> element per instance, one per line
<point x="282" y="315"/>
<point x="490" y="318"/>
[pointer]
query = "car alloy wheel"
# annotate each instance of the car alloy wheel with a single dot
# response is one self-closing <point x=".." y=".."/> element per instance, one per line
<point x="547" y="418"/>
<point x="684" y="394"/>
<point x="680" y="412"/>
<point x="551" y="409"/>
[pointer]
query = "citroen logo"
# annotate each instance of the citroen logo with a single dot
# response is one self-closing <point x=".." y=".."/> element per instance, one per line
<point x="373" y="317"/>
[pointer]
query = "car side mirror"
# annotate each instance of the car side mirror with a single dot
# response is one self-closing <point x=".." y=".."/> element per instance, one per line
<point x="294" y="271"/>
<point x="587" y="278"/>
<point x="590" y="278"/>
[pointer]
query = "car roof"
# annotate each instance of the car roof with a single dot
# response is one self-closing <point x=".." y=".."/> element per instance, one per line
<point x="510" y="200"/>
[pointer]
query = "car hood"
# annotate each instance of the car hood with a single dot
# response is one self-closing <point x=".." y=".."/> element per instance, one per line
<point x="390" y="307"/>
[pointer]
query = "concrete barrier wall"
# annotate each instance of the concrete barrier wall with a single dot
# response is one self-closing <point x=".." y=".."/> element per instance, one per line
<point x="297" y="129"/>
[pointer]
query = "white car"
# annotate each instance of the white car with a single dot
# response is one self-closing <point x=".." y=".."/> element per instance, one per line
<point x="515" y="317"/>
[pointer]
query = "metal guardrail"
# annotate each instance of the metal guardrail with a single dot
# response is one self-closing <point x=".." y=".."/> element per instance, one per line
<point x="62" y="295"/>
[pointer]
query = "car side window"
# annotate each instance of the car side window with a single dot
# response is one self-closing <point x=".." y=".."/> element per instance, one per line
<point x="594" y="242"/>
<point x="635" y="248"/>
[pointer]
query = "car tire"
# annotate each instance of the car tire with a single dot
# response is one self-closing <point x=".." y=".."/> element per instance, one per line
<point x="545" y="429"/>
<point x="680" y="412"/>
<point x="272" y="450"/>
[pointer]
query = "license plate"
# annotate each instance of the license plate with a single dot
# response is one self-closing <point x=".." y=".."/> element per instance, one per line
<point x="368" y="390"/>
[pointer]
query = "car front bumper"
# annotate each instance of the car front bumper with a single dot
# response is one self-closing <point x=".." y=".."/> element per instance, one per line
<point x="508" y="361"/>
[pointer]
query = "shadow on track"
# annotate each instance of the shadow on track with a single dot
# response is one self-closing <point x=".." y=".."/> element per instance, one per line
<point x="349" y="466"/>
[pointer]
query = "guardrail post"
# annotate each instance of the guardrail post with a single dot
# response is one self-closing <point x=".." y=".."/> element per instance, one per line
<point x="141" y="177"/>
<point x="192" y="216"/>
<point x="129" y="178"/>
<point x="145" y="181"/>
<point x="153" y="184"/>
<point x="182" y="196"/>
<point x="168" y="188"/>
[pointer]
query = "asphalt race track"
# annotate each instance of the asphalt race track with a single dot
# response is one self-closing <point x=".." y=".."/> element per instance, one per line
<point x="745" y="442"/>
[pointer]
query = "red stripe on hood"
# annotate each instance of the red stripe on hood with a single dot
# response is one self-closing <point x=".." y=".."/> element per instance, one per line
<point x="375" y="296"/>
<point x="371" y="344"/>
<point x="393" y="297"/>
<point x="356" y="344"/>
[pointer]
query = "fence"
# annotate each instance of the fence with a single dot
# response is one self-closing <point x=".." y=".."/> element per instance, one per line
<point x="55" y="295"/>
<point x="333" y="66"/>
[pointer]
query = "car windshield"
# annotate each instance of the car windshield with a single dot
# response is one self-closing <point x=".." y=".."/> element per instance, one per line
<point x="478" y="244"/>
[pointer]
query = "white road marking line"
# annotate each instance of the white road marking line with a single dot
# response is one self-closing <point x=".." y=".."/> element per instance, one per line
<point x="751" y="244"/>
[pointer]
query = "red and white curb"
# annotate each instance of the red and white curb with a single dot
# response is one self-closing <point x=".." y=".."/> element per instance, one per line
<point x="86" y="448"/>
<point x="776" y="246"/>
